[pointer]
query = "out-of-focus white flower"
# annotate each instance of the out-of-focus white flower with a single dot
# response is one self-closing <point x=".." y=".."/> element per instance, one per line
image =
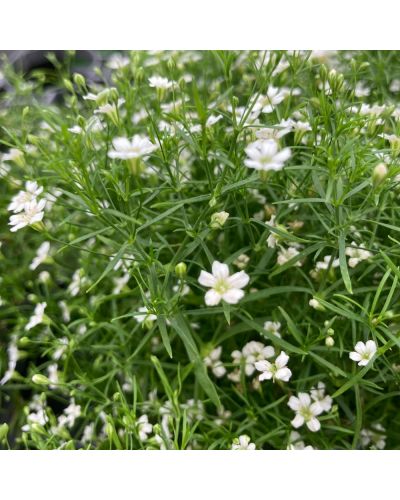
<point x="144" y="427"/>
<point x="357" y="254"/>
<point x="306" y="411"/>
<point x="14" y="155"/>
<point x="77" y="281"/>
<point x="33" y="213"/>
<point x="37" y="414"/>
<point x="213" y="361"/>
<point x="118" y="61"/>
<point x="361" y="90"/>
<point x="88" y="433"/>
<point x="159" y="82"/>
<point x="223" y="286"/>
<point x="326" y="263"/>
<point x="265" y="155"/>
<point x="273" y="327"/>
<point x="277" y="132"/>
<point x="146" y="316"/>
<point x="242" y="261"/>
<point x="41" y="255"/>
<point x="296" y="443"/>
<point x="286" y="254"/>
<point x="363" y="353"/>
<point x="70" y="414"/>
<point x="253" y="351"/>
<point x="318" y="395"/>
<point x="125" y="149"/>
<point x="181" y="288"/>
<point x="375" y="437"/>
<point x="394" y="85"/>
<point x="13" y="355"/>
<point x="66" y="315"/>
<point x="52" y="371"/>
<point x="218" y="219"/>
<point x="76" y="129"/>
<point x="267" y="103"/>
<point x="61" y="349"/>
<point x="275" y="371"/>
<point x="18" y="202"/>
<point x="120" y="282"/>
<point x="37" y="316"/>
<point x="243" y="443"/>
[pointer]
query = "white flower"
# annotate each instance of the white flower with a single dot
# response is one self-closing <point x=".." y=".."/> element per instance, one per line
<point x="273" y="327"/>
<point x="37" y="316"/>
<point x="66" y="315"/>
<point x="212" y="361"/>
<point x="243" y="443"/>
<point x="88" y="433"/>
<point x="363" y="353"/>
<point x="18" y="202"/>
<point x="223" y="286"/>
<point x="52" y="371"/>
<point x="318" y="395"/>
<point x="253" y="351"/>
<point x="76" y="129"/>
<point x="41" y="255"/>
<point x="160" y="82"/>
<point x="277" y="132"/>
<point x="13" y="155"/>
<point x="77" y="281"/>
<point x="286" y="254"/>
<point x="13" y="355"/>
<point x="218" y="219"/>
<point x="181" y="288"/>
<point x="272" y="238"/>
<point x="71" y="413"/>
<point x="264" y="155"/>
<point x="306" y="411"/>
<point x="326" y="262"/>
<point x="212" y="120"/>
<point x="376" y="436"/>
<point x="295" y="442"/>
<point x="357" y="254"/>
<point x="144" y="427"/>
<point x="266" y="103"/>
<point x="118" y="61"/>
<point x="242" y="261"/>
<point x="33" y="212"/>
<point x="146" y="316"/>
<point x="119" y="283"/>
<point x="276" y="370"/>
<point x="126" y="149"/>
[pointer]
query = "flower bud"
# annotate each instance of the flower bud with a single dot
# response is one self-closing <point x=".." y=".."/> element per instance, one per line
<point x="329" y="342"/>
<point x="181" y="269"/>
<point x="218" y="219"/>
<point x="316" y="304"/>
<point x="79" y="80"/>
<point x="68" y="85"/>
<point x="40" y="379"/>
<point x="3" y="432"/>
<point x="379" y="174"/>
<point x="330" y="331"/>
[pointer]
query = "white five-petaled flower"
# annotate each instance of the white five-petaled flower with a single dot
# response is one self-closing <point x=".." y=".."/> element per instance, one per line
<point x="144" y="427"/>
<point x="33" y="212"/>
<point x="306" y="411"/>
<point x="41" y="255"/>
<point x="37" y="316"/>
<point x="223" y="286"/>
<point x="277" y="370"/>
<point x="266" y="103"/>
<point x="363" y="353"/>
<point x="145" y="316"/>
<point x="265" y="155"/>
<point x="126" y="149"/>
<point x="357" y="254"/>
<point x="18" y="202"/>
<point x="286" y="254"/>
<point x="118" y="61"/>
<point x="273" y="327"/>
<point x="243" y="443"/>
<point x="253" y="351"/>
<point x="213" y="361"/>
<point x="160" y="82"/>
<point x="318" y="395"/>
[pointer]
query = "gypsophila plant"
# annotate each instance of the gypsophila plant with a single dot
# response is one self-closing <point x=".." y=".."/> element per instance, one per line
<point x="200" y="250"/>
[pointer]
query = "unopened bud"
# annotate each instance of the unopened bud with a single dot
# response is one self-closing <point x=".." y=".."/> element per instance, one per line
<point x="79" y="80"/>
<point x="3" y="432"/>
<point x="329" y="342"/>
<point x="40" y="379"/>
<point x="218" y="219"/>
<point x="379" y="174"/>
<point x="181" y="269"/>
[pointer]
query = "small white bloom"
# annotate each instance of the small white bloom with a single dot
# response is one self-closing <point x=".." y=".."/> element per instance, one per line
<point x="160" y="82"/>
<point x="326" y="263"/>
<point x="76" y="129"/>
<point x="316" y="304"/>
<point x="18" y="202"/>
<point x="253" y="351"/>
<point x="264" y="155"/>
<point x="296" y="443"/>
<point x="243" y="443"/>
<point x="181" y="288"/>
<point x="277" y="132"/>
<point x="357" y="254"/>
<point x="33" y="212"/>
<point x="71" y="413"/>
<point x="13" y="155"/>
<point x="13" y="355"/>
<point x="286" y="254"/>
<point x="37" y="316"/>
<point x="145" y="316"/>
<point x="125" y="149"/>
<point x="120" y="282"/>
<point x="61" y="349"/>
<point x="223" y="286"/>
<point x="318" y="395"/>
<point x="213" y="361"/>
<point x="273" y="327"/>
<point x="242" y="261"/>
<point x="218" y="219"/>
<point x="266" y="103"/>
<point x="363" y="353"/>
<point x="41" y="255"/>
<point x="276" y="370"/>
<point x="144" y="427"/>
<point x="66" y="315"/>
<point x="375" y="437"/>
<point x="118" y="61"/>
<point x="306" y="411"/>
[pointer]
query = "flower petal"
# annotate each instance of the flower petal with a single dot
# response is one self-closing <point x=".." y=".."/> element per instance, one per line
<point x="212" y="298"/>
<point x="239" y="280"/>
<point x="220" y="270"/>
<point x="233" y="296"/>
<point x="206" y="279"/>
